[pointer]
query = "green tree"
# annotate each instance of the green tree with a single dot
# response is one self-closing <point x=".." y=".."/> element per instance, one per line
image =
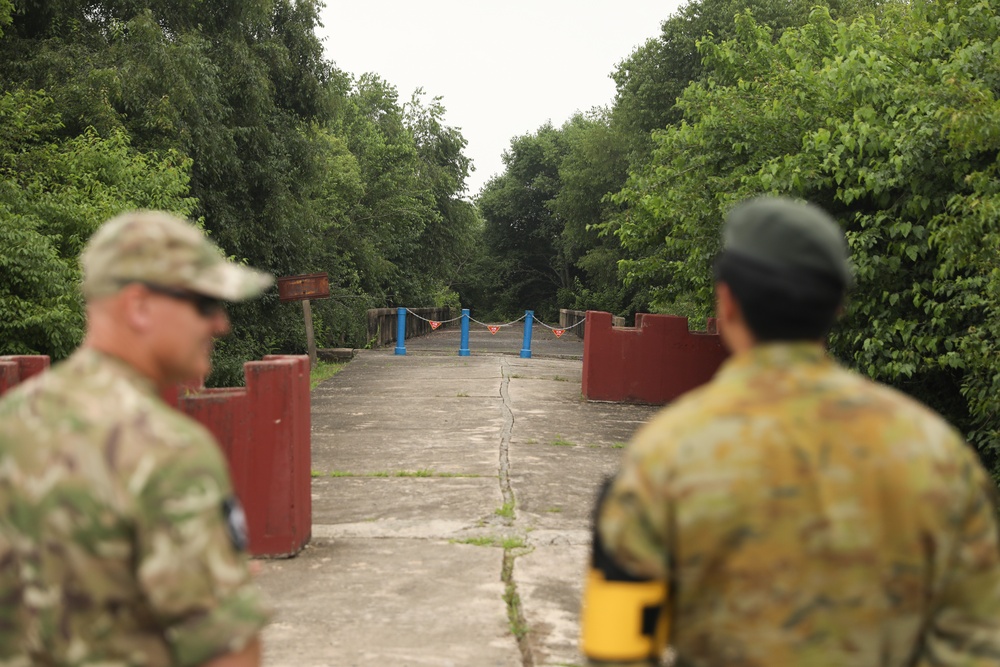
<point x="522" y="233"/>
<point x="447" y="244"/>
<point x="595" y="164"/>
<point x="396" y="205"/>
<point x="653" y="76"/>
<point x="6" y="14"/>
<point x="53" y="194"/>
<point x="216" y="83"/>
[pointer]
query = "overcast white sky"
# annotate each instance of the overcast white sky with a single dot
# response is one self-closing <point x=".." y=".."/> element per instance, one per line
<point x="502" y="67"/>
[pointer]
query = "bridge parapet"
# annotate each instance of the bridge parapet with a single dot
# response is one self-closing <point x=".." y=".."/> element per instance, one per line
<point x="15" y="369"/>
<point x="653" y="362"/>
<point x="568" y="318"/>
<point x="382" y="323"/>
<point x="264" y="432"/>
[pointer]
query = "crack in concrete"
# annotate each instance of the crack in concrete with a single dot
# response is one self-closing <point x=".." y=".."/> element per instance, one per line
<point x="505" y="434"/>
<point x="515" y="614"/>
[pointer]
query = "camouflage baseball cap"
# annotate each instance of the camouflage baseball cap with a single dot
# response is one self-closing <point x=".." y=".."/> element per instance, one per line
<point x="158" y="248"/>
<point x="788" y="234"/>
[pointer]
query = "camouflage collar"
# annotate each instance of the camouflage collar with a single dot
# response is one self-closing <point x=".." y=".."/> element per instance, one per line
<point x="91" y="361"/>
<point x="775" y="355"/>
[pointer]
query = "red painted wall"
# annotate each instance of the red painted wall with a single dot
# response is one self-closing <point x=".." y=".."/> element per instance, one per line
<point x="279" y="395"/>
<point x="15" y="369"/>
<point x="654" y="362"/>
<point x="264" y="432"/>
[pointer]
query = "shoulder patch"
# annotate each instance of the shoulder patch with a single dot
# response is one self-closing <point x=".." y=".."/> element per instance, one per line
<point x="236" y="523"/>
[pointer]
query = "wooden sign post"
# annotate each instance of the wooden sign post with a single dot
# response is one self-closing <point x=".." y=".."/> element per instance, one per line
<point x="302" y="288"/>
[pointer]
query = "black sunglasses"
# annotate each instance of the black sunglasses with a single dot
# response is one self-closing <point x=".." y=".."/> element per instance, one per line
<point x="207" y="306"/>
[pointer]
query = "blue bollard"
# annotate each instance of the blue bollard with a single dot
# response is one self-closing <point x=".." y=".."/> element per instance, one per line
<point x="463" y="349"/>
<point x="529" y="320"/>
<point x="401" y="331"/>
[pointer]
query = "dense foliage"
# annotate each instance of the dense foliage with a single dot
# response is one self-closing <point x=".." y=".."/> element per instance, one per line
<point x="228" y="113"/>
<point x="54" y="192"/>
<point x="886" y="115"/>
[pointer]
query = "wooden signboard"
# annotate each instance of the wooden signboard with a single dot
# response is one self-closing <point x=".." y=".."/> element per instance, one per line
<point x="302" y="288"/>
<point x="308" y="286"/>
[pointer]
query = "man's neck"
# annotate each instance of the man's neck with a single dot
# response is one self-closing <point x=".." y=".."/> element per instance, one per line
<point x="130" y="354"/>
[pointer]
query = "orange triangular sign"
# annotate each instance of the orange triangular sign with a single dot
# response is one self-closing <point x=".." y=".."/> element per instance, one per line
<point x="558" y="332"/>
<point x="434" y="325"/>
<point x="493" y="328"/>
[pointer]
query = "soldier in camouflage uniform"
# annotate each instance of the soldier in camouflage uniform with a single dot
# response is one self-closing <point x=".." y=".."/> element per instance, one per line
<point x="120" y="536"/>
<point x="792" y="512"/>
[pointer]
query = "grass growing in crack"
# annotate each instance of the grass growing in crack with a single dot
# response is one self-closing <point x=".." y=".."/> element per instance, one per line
<point x="506" y="510"/>
<point x="515" y="617"/>
<point x="513" y="543"/>
<point x="324" y="370"/>
<point x="530" y="441"/>
<point x="562" y="442"/>
<point x="423" y="472"/>
<point x="316" y="473"/>
<point x="617" y="445"/>
<point x="462" y="394"/>
<point x="559" y="378"/>
<point x="485" y="541"/>
<point x="493" y="541"/>
<point x="554" y="510"/>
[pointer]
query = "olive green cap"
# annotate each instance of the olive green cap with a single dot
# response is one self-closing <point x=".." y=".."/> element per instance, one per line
<point x="787" y="234"/>
<point x="158" y="248"/>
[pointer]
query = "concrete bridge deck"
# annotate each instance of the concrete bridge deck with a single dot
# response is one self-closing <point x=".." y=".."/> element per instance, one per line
<point x="451" y="501"/>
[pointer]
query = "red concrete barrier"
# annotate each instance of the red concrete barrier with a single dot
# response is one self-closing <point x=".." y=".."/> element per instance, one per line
<point x="10" y="376"/>
<point x="172" y="395"/>
<point x="654" y="362"/>
<point x="264" y="431"/>
<point x="286" y="417"/>
<point x="16" y="368"/>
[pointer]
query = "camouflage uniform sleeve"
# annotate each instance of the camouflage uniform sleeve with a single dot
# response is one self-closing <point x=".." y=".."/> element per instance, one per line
<point x="964" y="628"/>
<point x="196" y="582"/>
<point x="632" y="522"/>
<point x="632" y="519"/>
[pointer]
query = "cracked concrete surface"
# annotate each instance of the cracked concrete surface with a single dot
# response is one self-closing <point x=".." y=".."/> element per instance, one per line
<point x="413" y="457"/>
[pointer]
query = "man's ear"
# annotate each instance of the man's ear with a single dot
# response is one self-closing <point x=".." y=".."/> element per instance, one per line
<point x="733" y="329"/>
<point x="726" y="307"/>
<point x="136" y="308"/>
